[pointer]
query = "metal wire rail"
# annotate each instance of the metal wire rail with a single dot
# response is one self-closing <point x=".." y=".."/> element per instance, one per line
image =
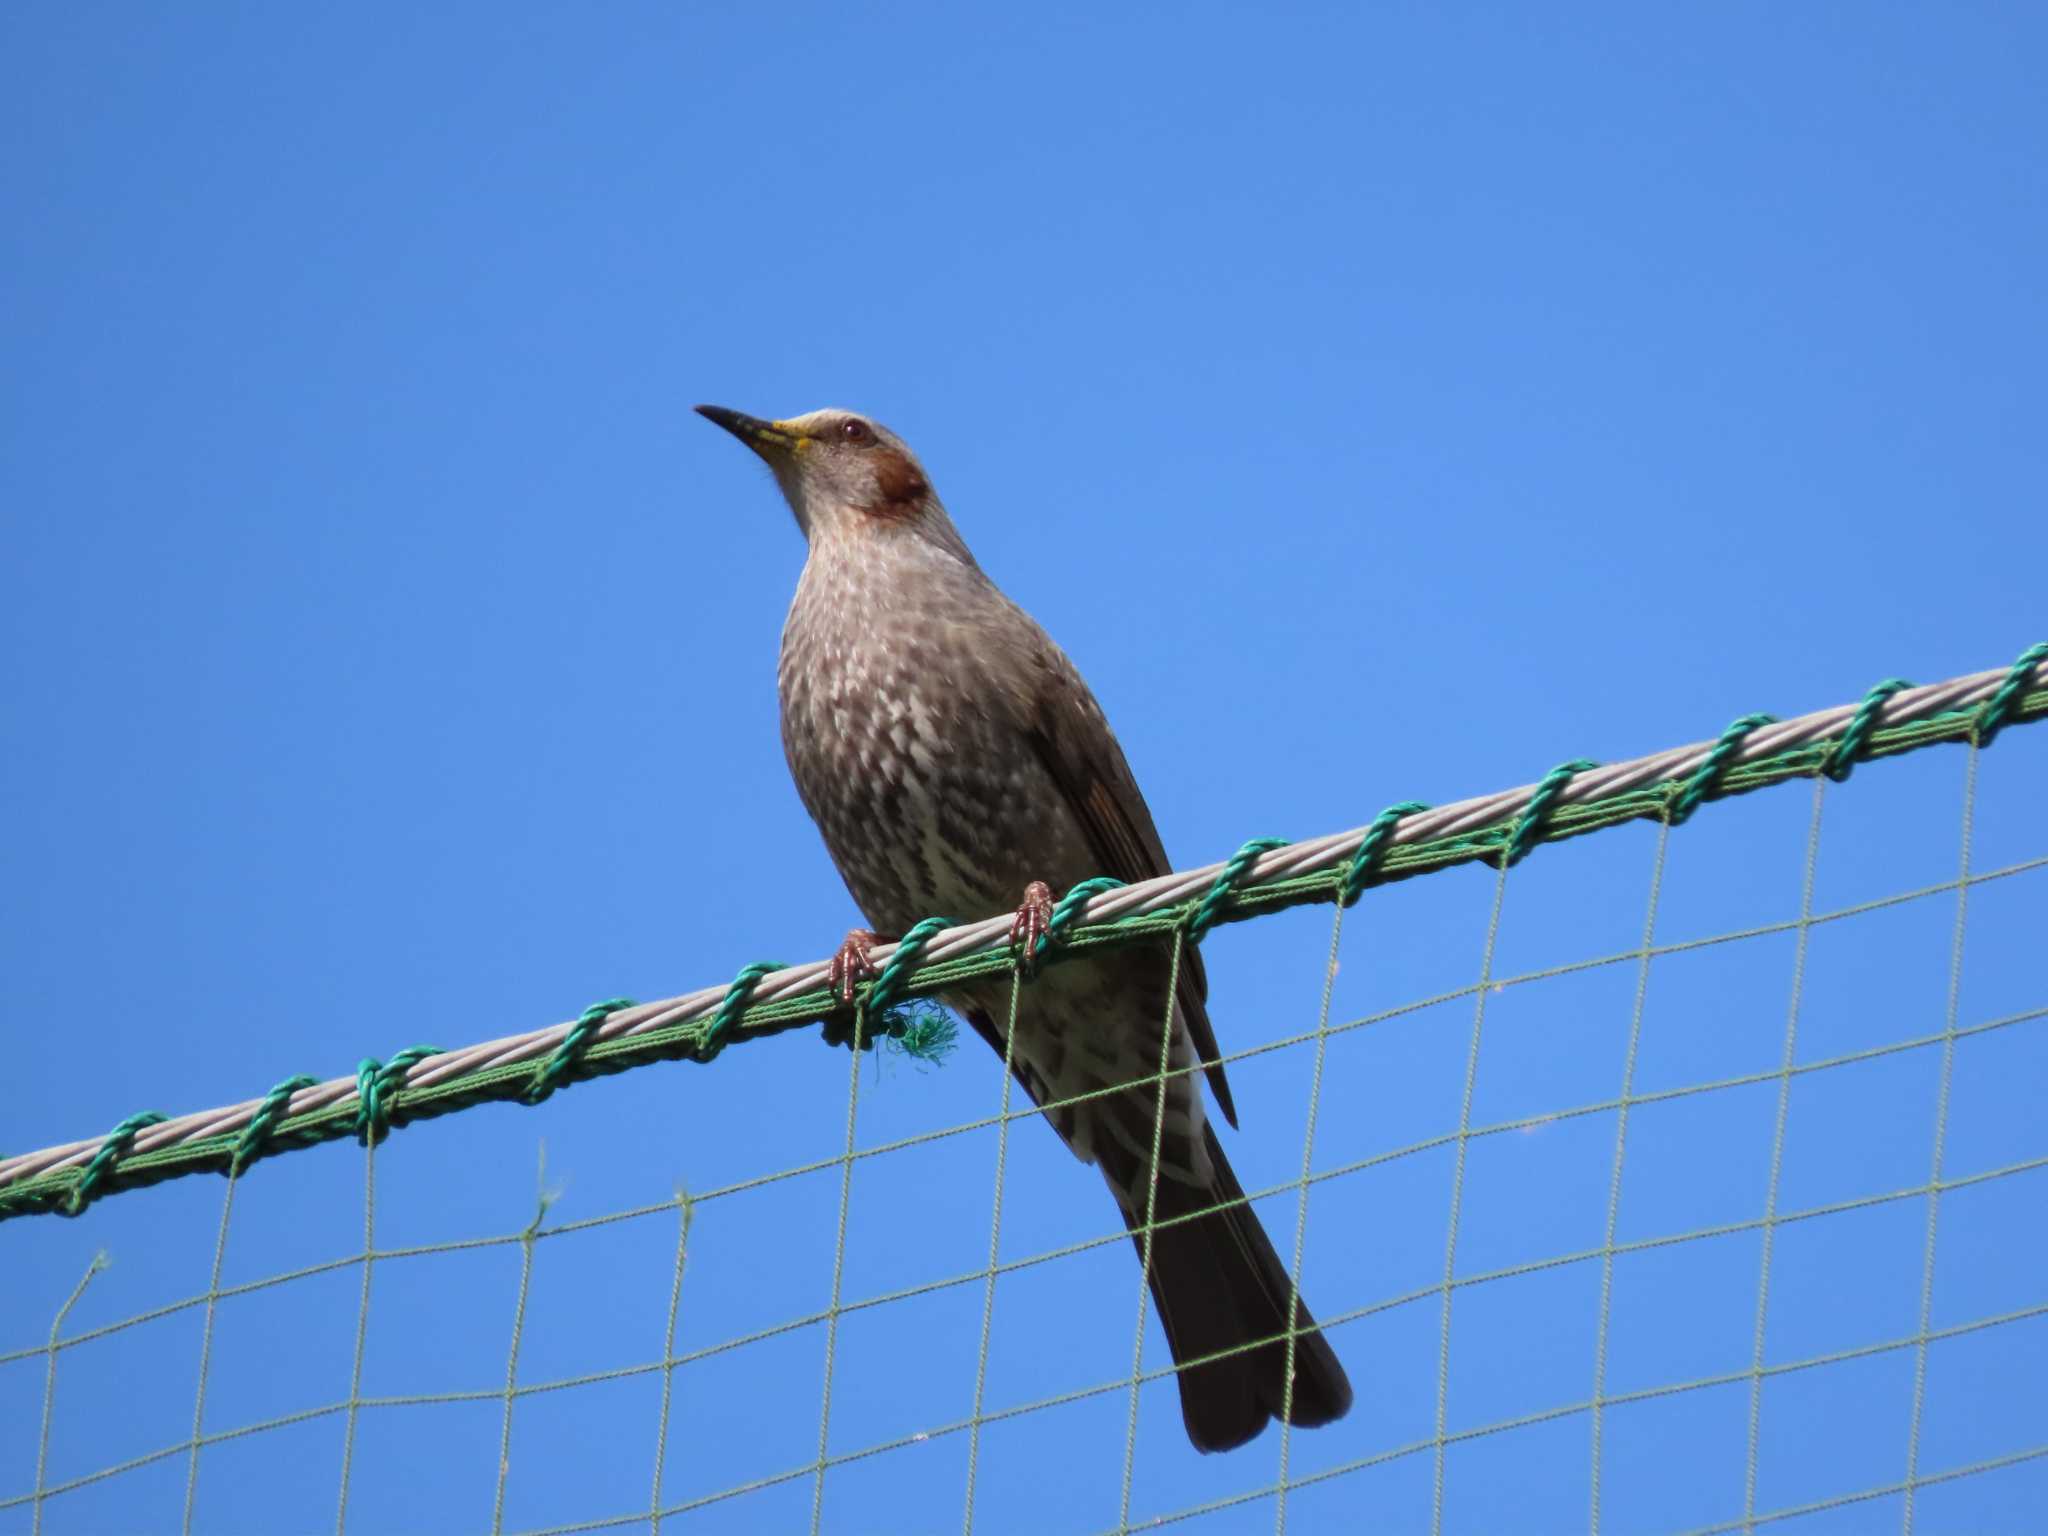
<point x="1575" y="798"/>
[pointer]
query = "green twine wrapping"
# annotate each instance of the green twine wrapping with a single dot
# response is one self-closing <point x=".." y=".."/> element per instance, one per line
<point x="111" y="1151"/>
<point x="1372" y="849"/>
<point x="555" y="1071"/>
<point x="731" y="1006"/>
<point x="1067" y="912"/>
<point x="255" y="1138"/>
<point x="1529" y="830"/>
<point x="1221" y="890"/>
<point x="1707" y="777"/>
<point x="1841" y="762"/>
<point x="1998" y="708"/>
<point x="887" y="990"/>
<point x="378" y="1080"/>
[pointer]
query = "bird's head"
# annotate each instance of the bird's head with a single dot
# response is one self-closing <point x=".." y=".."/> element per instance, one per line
<point x="843" y="474"/>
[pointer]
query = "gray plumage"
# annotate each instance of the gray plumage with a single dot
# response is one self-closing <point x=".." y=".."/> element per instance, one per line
<point x="951" y="755"/>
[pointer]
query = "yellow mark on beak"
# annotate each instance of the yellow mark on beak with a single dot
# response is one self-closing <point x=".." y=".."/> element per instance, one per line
<point x="757" y="434"/>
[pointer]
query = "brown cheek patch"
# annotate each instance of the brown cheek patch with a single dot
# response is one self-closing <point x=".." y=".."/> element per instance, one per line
<point x="899" y="488"/>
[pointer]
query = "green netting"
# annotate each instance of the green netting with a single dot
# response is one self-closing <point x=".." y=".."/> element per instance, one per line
<point x="385" y="1102"/>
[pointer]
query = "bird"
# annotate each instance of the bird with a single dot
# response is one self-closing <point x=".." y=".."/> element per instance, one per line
<point x="954" y="761"/>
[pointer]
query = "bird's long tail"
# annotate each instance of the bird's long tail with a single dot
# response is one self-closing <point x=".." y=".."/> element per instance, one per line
<point x="1219" y="1286"/>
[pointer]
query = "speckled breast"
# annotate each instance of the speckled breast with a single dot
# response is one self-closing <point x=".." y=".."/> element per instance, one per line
<point x="930" y="799"/>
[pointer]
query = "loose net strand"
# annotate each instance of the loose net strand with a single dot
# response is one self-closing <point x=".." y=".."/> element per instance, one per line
<point x="42" y="1488"/>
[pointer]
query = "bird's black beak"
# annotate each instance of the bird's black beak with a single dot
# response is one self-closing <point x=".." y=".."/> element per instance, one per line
<point x="763" y="437"/>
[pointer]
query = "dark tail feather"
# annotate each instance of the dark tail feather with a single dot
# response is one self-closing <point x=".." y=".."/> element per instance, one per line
<point x="1218" y="1284"/>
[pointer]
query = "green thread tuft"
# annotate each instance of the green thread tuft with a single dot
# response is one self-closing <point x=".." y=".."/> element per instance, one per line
<point x="1529" y="830"/>
<point x="876" y="1012"/>
<point x="1707" y="777"/>
<point x="1224" y="887"/>
<point x="919" y="1029"/>
<point x="378" y="1080"/>
<point x="1372" y="848"/>
<point x="1841" y="761"/>
<point x="111" y="1151"/>
<point x="1998" y="708"/>
<point x="926" y="1034"/>
<point x="556" y="1071"/>
<point x="255" y="1138"/>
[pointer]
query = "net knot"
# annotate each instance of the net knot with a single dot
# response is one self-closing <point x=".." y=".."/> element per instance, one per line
<point x="111" y="1151"/>
<point x="1706" y="779"/>
<point x="557" y="1070"/>
<point x="1223" y="889"/>
<point x="1536" y="815"/>
<point x="377" y="1086"/>
<point x="1372" y="850"/>
<point x="255" y="1138"/>
<point x="1998" y="709"/>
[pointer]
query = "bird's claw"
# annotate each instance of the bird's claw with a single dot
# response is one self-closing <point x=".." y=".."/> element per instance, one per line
<point x="1033" y="920"/>
<point x="853" y="963"/>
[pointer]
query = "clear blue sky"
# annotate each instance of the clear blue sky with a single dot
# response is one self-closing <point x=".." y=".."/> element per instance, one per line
<point x="1380" y="403"/>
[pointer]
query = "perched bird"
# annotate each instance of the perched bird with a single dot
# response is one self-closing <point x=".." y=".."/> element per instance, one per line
<point x="953" y="759"/>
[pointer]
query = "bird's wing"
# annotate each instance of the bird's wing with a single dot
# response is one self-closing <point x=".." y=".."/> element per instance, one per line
<point x="1073" y="739"/>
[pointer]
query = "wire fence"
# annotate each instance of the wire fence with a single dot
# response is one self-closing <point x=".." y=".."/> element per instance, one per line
<point x="1749" y="1059"/>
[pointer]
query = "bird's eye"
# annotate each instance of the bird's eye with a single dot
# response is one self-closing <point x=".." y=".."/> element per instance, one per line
<point x="853" y="430"/>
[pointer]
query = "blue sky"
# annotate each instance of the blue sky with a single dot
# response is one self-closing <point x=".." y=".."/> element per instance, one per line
<point x="1379" y="403"/>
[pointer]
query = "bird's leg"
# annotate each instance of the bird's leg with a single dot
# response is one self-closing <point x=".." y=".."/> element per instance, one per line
<point x="852" y="963"/>
<point x="1030" y="923"/>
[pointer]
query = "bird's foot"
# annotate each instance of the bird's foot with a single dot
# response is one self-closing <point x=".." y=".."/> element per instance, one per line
<point x="1033" y="918"/>
<point x="853" y="963"/>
